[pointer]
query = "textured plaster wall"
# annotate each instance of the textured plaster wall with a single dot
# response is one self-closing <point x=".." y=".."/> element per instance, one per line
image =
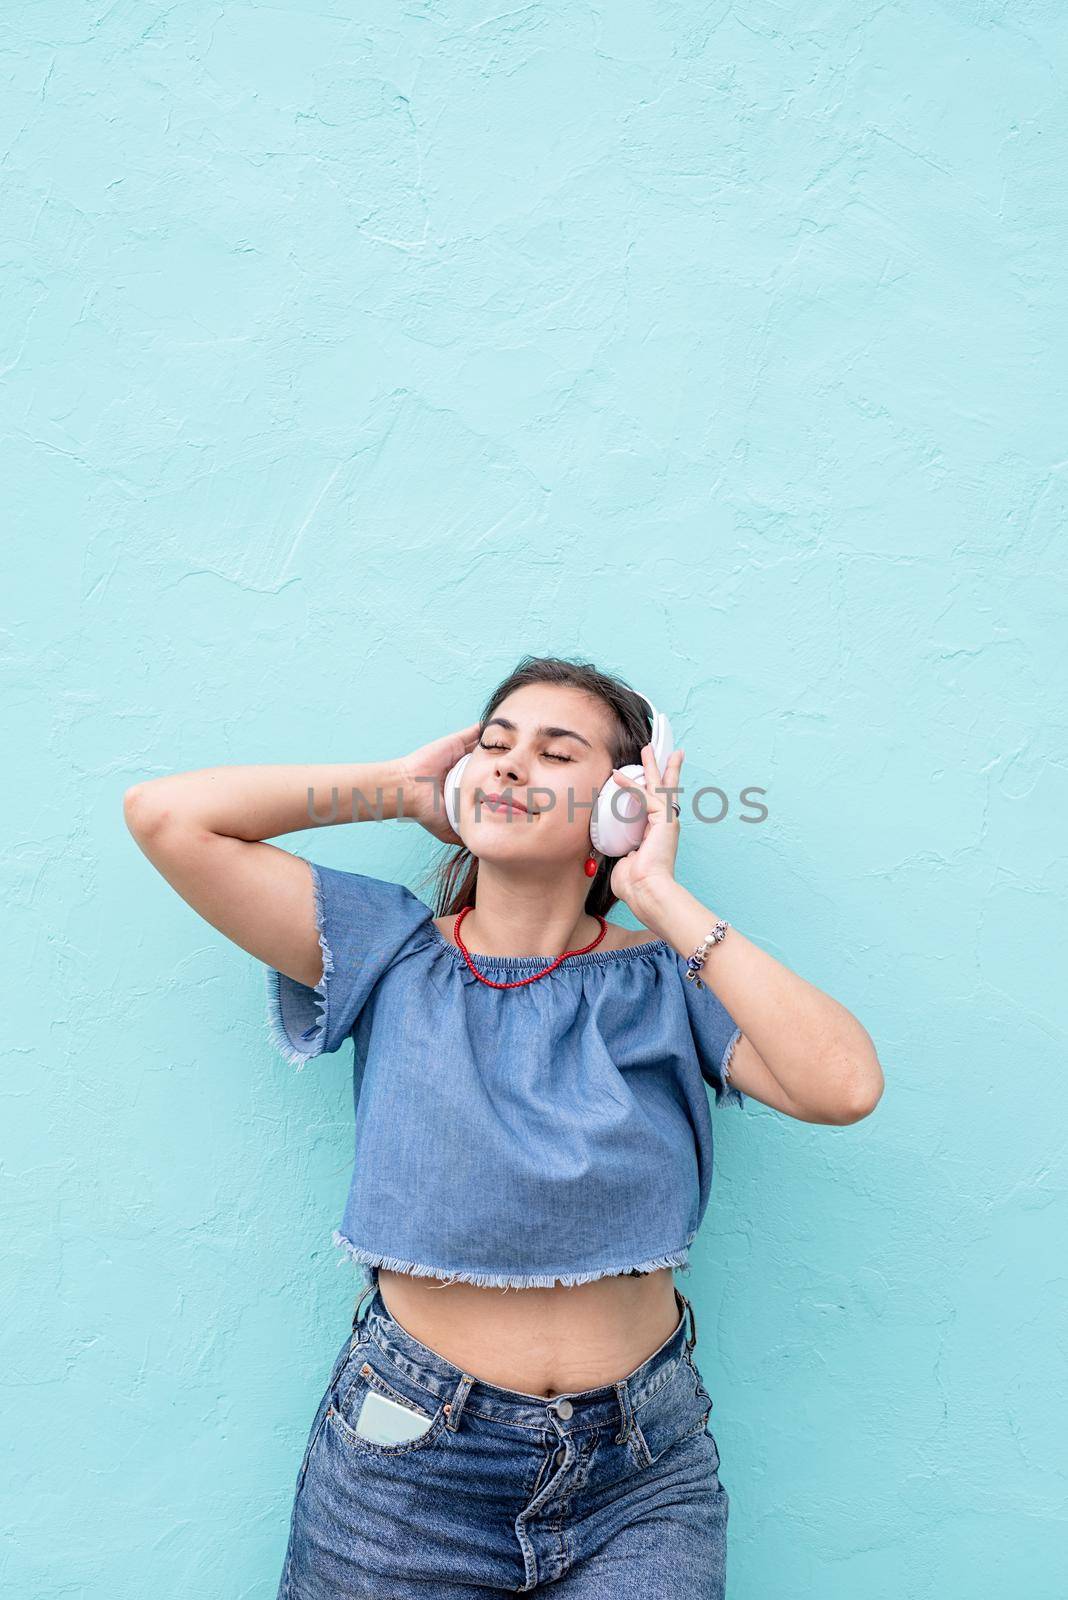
<point x="347" y="354"/>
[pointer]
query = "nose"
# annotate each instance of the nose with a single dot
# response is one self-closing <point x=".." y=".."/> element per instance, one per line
<point x="507" y="772"/>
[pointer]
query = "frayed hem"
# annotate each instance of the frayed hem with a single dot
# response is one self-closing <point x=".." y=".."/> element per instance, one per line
<point x="490" y="1280"/>
<point x="314" y="1037"/>
<point x="728" y="1095"/>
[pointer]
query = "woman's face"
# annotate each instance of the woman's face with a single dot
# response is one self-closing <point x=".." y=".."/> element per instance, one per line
<point x="546" y="749"/>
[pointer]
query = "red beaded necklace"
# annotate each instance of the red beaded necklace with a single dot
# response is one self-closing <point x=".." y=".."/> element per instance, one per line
<point x="518" y="984"/>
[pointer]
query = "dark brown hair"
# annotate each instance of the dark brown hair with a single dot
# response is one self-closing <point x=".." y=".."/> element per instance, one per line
<point x="456" y="874"/>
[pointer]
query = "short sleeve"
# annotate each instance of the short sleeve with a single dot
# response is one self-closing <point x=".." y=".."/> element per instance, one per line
<point x="715" y="1034"/>
<point x="363" y="924"/>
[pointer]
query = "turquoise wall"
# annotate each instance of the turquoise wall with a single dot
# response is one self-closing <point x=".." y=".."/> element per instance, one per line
<point x="350" y="353"/>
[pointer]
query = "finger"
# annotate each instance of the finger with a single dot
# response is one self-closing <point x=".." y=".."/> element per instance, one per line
<point x="666" y="786"/>
<point x="652" y="776"/>
<point x="655" y="802"/>
<point x="672" y="782"/>
<point x="662" y="779"/>
<point x="649" y="769"/>
<point x="634" y="787"/>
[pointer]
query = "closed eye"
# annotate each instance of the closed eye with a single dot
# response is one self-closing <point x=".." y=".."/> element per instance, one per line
<point x="549" y="754"/>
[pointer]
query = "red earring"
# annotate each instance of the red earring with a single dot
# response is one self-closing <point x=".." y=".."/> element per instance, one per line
<point x="590" y="868"/>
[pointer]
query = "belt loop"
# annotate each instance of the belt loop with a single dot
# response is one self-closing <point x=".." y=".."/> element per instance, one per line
<point x="359" y="1304"/>
<point x="691" y="1338"/>
<point x="454" y="1407"/>
<point x="626" y="1412"/>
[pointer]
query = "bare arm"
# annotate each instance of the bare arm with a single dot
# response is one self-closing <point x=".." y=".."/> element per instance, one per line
<point x="265" y="802"/>
<point x="204" y="832"/>
<point x="801" y="1051"/>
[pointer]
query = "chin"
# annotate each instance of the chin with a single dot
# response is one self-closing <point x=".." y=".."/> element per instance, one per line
<point x="492" y="850"/>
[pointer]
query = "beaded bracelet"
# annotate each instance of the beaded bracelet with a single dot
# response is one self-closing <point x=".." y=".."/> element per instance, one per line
<point x="697" y="960"/>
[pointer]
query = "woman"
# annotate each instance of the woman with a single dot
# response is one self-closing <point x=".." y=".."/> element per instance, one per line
<point x="519" y="1406"/>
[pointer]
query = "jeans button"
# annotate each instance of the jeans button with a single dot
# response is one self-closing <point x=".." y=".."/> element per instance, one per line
<point x="563" y="1408"/>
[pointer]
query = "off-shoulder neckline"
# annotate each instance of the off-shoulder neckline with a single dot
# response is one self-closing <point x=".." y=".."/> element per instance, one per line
<point x="590" y="957"/>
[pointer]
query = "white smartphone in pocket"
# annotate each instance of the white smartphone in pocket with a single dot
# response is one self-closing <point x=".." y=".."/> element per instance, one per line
<point x="385" y="1421"/>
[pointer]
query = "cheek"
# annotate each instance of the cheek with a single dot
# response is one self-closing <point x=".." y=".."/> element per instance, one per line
<point x="571" y="807"/>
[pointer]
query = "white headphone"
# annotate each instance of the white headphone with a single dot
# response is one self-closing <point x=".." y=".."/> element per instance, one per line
<point x="617" y="820"/>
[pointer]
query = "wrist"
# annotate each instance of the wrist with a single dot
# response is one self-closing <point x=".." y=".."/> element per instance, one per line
<point x="407" y="791"/>
<point x="420" y="797"/>
<point x="657" y="902"/>
<point x="373" y="790"/>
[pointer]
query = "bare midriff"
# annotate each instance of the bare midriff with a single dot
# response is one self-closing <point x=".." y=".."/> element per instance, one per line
<point x="540" y="1342"/>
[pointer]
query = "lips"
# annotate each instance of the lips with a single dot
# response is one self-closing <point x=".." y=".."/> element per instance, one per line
<point x="499" y="802"/>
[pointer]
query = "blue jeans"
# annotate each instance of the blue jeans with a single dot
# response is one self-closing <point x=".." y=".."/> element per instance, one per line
<point x="612" y="1492"/>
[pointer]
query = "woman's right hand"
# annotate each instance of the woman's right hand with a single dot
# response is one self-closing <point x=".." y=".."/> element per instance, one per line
<point x="423" y="775"/>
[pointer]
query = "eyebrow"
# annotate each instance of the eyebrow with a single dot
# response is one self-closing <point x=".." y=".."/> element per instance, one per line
<point x="548" y="733"/>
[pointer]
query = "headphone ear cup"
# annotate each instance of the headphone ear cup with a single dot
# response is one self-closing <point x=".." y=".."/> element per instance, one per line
<point x="452" y="792"/>
<point x="600" y="809"/>
<point x="617" y="821"/>
<point x="617" y="825"/>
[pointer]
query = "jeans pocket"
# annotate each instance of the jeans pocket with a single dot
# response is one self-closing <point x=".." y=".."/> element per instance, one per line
<point x="705" y="1400"/>
<point x="372" y="1375"/>
<point x="677" y="1410"/>
<point x="703" y="1397"/>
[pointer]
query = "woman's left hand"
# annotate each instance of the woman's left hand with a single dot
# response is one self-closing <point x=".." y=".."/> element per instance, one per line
<point x="653" y="863"/>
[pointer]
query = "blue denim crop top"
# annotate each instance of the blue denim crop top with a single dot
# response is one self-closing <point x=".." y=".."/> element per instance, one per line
<point x="554" y="1133"/>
